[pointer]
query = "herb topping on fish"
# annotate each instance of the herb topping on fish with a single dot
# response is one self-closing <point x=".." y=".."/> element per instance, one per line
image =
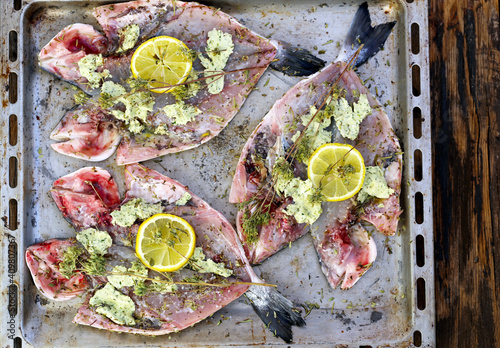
<point x="102" y="264"/>
<point x="212" y="95"/>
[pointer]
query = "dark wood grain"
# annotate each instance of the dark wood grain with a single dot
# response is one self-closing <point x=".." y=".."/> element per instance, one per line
<point x="465" y="86"/>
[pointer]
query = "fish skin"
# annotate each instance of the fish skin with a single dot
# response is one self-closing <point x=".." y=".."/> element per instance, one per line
<point x="250" y="51"/>
<point x="147" y="15"/>
<point x="222" y="245"/>
<point x="345" y="249"/>
<point x="248" y="181"/>
<point x="43" y="260"/>
<point x="154" y="187"/>
<point x="379" y="145"/>
<point x="343" y="245"/>
<point x="271" y="236"/>
<point x="178" y="313"/>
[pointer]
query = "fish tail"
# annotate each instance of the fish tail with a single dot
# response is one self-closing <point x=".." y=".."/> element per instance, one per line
<point x="295" y="61"/>
<point x="360" y="33"/>
<point x="277" y="312"/>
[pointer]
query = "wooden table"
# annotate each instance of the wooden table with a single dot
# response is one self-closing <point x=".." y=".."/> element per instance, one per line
<point x="465" y="88"/>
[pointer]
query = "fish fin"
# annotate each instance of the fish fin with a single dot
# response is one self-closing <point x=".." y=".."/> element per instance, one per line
<point x="295" y="61"/>
<point x="360" y="33"/>
<point x="277" y="312"/>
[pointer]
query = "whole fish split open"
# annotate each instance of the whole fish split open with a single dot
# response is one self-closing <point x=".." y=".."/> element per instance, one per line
<point x="346" y="250"/>
<point x="91" y="132"/>
<point x="87" y="198"/>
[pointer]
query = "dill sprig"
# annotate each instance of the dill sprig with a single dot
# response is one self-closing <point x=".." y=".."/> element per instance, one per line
<point x="252" y="222"/>
<point x="94" y="265"/>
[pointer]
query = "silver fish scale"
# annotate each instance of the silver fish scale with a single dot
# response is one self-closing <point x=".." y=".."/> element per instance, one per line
<point x="381" y="309"/>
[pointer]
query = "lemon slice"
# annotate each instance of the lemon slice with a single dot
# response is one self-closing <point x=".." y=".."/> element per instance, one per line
<point x="163" y="60"/>
<point x="339" y="169"/>
<point x="165" y="242"/>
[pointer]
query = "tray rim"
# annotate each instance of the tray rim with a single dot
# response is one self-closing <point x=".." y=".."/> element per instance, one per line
<point x="11" y="297"/>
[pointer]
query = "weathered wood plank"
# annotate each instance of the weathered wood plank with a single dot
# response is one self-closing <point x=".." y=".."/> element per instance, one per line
<point x="465" y="79"/>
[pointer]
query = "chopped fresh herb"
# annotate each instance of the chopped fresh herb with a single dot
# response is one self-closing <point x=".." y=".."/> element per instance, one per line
<point x="68" y="264"/>
<point x="94" y="265"/>
<point x="81" y="97"/>
<point x="251" y="224"/>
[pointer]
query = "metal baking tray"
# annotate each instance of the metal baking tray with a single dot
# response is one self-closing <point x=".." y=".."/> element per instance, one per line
<point x="392" y="305"/>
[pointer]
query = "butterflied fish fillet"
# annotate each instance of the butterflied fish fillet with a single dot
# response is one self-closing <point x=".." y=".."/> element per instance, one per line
<point x="156" y="313"/>
<point x="189" y="22"/>
<point x="343" y="245"/>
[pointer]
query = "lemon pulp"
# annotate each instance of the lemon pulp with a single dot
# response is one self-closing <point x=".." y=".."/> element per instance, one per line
<point x="338" y="169"/>
<point x="164" y="61"/>
<point x="165" y="242"/>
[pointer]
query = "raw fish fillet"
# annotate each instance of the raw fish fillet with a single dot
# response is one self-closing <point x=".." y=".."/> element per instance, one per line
<point x="343" y="245"/>
<point x="87" y="132"/>
<point x="189" y="22"/>
<point x="70" y="45"/>
<point x="86" y="197"/>
<point x="156" y="313"/>
<point x="43" y="262"/>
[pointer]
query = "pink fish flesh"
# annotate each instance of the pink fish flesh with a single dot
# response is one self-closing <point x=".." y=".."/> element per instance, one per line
<point x="155" y="313"/>
<point x="70" y="45"/>
<point x="189" y="22"/>
<point x="88" y="132"/>
<point x="86" y="197"/>
<point x="345" y="249"/>
<point x="43" y="262"/>
<point x="343" y="245"/>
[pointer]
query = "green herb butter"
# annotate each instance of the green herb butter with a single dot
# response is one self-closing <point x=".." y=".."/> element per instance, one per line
<point x="219" y="47"/>
<point x="181" y="113"/>
<point x="199" y="264"/>
<point x="112" y="304"/>
<point x="119" y="281"/>
<point x="184" y="199"/>
<point x="315" y="134"/>
<point x="135" y="275"/>
<point x="137" y="107"/>
<point x="96" y="242"/>
<point x="189" y="89"/>
<point x="305" y="208"/>
<point x="374" y="185"/>
<point x="348" y="118"/>
<point x="138" y="104"/>
<point x="88" y="67"/>
<point x="112" y="89"/>
<point x="135" y="209"/>
<point x="161" y="287"/>
<point x="128" y="37"/>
